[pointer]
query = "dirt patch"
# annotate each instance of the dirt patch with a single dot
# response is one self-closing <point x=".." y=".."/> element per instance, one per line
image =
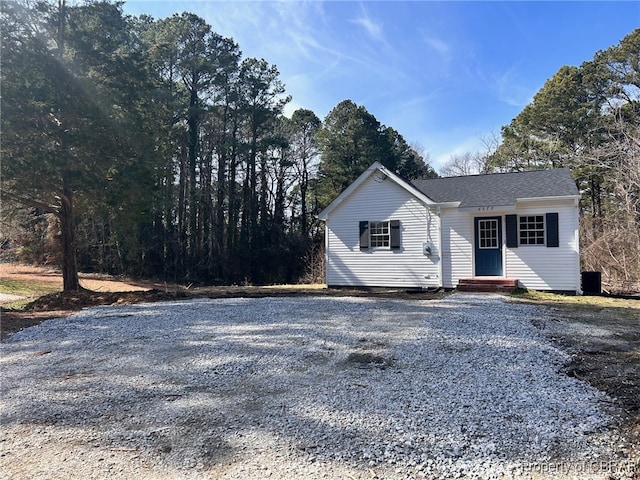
<point x="40" y="288"/>
<point x="369" y="359"/>
<point x="12" y="321"/>
<point x="53" y="278"/>
<point x="108" y="290"/>
<point x="603" y="336"/>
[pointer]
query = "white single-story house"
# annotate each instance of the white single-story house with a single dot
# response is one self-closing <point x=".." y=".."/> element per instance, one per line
<point x="384" y="231"/>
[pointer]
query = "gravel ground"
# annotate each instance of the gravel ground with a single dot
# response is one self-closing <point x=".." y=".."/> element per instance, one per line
<point x="308" y="388"/>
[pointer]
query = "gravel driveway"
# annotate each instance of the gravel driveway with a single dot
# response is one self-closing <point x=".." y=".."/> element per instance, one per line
<point x="309" y="388"/>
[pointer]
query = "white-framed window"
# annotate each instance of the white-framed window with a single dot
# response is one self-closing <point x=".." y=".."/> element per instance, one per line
<point x="379" y="234"/>
<point x="488" y="233"/>
<point x="531" y="229"/>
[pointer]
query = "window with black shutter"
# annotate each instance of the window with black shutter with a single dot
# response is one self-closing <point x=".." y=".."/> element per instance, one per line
<point x="528" y="230"/>
<point x="364" y="234"/>
<point x="511" y="231"/>
<point x="395" y="233"/>
<point x="553" y="230"/>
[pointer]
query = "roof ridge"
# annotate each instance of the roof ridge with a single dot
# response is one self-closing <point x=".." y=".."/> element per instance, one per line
<point x="500" y="188"/>
<point x="497" y="173"/>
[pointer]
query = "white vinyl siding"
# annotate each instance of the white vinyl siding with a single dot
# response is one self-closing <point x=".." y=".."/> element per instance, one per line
<point x="457" y="250"/>
<point x="382" y="200"/>
<point x="538" y="267"/>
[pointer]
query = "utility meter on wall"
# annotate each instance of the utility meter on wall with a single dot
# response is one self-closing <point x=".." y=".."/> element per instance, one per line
<point x="427" y="249"/>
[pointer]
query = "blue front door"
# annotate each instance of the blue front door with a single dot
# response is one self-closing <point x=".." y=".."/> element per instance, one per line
<point x="488" y="248"/>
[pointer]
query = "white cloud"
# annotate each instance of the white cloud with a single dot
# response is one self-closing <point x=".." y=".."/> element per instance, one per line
<point x="511" y="89"/>
<point x="372" y="28"/>
<point x="232" y="19"/>
<point x="420" y="101"/>
<point x="442" y="49"/>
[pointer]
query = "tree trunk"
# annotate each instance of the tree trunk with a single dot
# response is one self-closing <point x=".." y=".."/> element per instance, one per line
<point x="205" y="217"/>
<point x="304" y="184"/>
<point x="70" y="279"/>
<point x="182" y="250"/>
<point x="252" y="188"/>
<point x="192" y="123"/>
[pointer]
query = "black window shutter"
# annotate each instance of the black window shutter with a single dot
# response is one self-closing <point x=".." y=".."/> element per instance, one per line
<point x="364" y="234"/>
<point x="553" y="230"/>
<point x="395" y="233"/>
<point x="512" y="230"/>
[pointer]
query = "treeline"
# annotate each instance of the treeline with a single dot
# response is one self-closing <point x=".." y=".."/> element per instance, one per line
<point x="153" y="148"/>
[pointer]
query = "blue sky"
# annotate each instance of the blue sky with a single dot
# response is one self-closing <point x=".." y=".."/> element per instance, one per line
<point x="446" y="75"/>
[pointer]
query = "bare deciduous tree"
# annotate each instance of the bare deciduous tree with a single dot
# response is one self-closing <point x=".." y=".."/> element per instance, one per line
<point x="464" y="164"/>
<point x="611" y="243"/>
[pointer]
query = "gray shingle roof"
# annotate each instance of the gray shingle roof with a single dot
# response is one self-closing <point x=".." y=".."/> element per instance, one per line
<point x="498" y="189"/>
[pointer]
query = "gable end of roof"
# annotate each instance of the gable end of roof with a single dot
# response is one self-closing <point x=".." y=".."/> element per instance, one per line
<point x="375" y="167"/>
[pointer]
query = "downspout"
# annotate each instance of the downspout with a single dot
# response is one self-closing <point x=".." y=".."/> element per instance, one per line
<point x="440" y="247"/>
<point x="326" y="252"/>
<point x="576" y="203"/>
